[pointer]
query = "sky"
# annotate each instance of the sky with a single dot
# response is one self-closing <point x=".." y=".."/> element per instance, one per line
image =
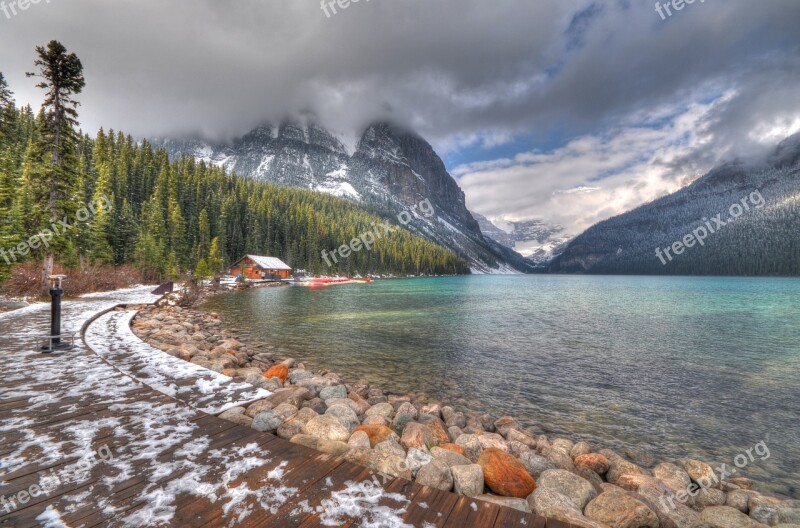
<point x="566" y="111"/>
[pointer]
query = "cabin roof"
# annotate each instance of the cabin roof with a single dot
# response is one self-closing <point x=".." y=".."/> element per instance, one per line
<point x="266" y="262"/>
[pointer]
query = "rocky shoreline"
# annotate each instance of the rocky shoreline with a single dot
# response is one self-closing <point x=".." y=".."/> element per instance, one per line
<point x="477" y="455"/>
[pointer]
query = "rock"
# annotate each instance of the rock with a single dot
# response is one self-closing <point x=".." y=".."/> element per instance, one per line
<point x="618" y="466"/>
<point x="709" y="497"/>
<point x="298" y="375"/>
<point x="634" y="481"/>
<point x="417" y="435"/>
<point x="505" y="475"/>
<point x="535" y="464"/>
<point x="416" y="458"/>
<point x="773" y="511"/>
<point x="346" y="416"/>
<point x="450" y="458"/>
<point x="408" y="408"/>
<point x="391" y="447"/>
<point x="457" y="419"/>
<point x="270" y="384"/>
<point x="579" y="449"/>
<point x="563" y="444"/>
<point x="436" y="426"/>
<point x="376" y="420"/>
<point x="593" y="462"/>
<point x="435" y="474"/>
<point x="726" y="517"/>
<point x="316" y="404"/>
<point x="513" y="435"/>
<point x="335" y="391"/>
<point x="358" y="455"/>
<point x="467" y="479"/>
<point x="332" y="447"/>
<point x="454" y="432"/>
<point x="285" y="410"/>
<point x="492" y="441"/>
<point x="593" y="478"/>
<point x="561" y="458"/>
<point x="295" y="424"/>
<point x="671" y="513"/>
<point x="377" y="433"/>
<point x="266" y="421"/>
<point x="616" y="509"/>
<point x="381" y="409"/>
<point x="740" y="499"/>
<point x="385" y="461"/>
<point x="359" y="439"/>
<point x="258" y="407"/>
<point x="432" y="409"/>
<point x="237" y="416"/>
<point x="471" y="445"/>
<point x="347" y="402"/>
<point x="743" y="482"/>
<point x="455" y="448"/>
<point x="552" y="505"/>
<point x="701" y="473"/>
<point x="305" y="440"/>
<point x="401" y="420"/>
<point x="360" y="402"/>
<point x="576" y="489"/>
<point x="673" y="476"/>
<point x="506" y="423"/>
<point x="447" y="412"/>
<point x="279" y="371"/>
<point x="517" y="449"/>
<point x="326" y="426"/>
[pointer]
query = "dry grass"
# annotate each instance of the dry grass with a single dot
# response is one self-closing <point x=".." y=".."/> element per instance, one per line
<point x="24" y="280"/>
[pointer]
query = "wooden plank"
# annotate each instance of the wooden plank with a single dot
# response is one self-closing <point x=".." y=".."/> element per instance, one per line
<point x="510" y="518"/>
<point x="472" y="512"/>
<point x="432" y="506"/>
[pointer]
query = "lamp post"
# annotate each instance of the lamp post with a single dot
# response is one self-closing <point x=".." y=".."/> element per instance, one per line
<point x="56" y="291"/>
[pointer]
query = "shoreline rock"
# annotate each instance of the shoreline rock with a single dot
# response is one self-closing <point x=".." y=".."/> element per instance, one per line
<point x="477" y="455"/>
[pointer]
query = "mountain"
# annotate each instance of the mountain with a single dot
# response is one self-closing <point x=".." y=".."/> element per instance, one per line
<point x="742" y="218"/>
<point x="537" y="241"/>
<point x="387" y="170"/>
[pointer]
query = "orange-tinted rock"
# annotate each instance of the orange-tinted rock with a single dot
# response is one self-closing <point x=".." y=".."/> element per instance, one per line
<point x="229" y="372"/>
<point x="593" y="461"/>
<point x="377" y="433"/>
<point x="453" y="447"/>
<point x="278" y="371"/>
<point x="505" y="475"/>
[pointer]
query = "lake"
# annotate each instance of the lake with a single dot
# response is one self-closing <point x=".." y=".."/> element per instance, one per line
<point x="659" y="368"/>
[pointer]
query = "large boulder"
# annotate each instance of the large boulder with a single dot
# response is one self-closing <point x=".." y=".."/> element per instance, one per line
<point x="381" y="409"/>
<point x="535" y="464"/>
<point x="451" y="458"/>
<point x="727" y="517"/>
<point x="593" y="462"/>
<point x="417" y="435"/>
<point x="492" y="441"/>
<point x="266" y="421"/>
<point x="674" y="477"/>
<point x="468" y="479"/>
<point x="334" y="391"/>
<point x="701" y="473"/>
<point x="616" y="509"/>
<point x="346" y="416"/>
<point x="278" y="371"/>
<point x="326" y="426"/>
<point x="576" y="489"/>
<point x="294" y="424"/>
<point x="671" y="513"/>
<point x="509" y="502"/>
<point x="436" y="426"/>
<point x="435" y="474"/>
<point x="619" y="466"/>
<point x="472" y="446"/>
<point x="377" y="433"/>
<point x="505" y="475"/>
<point x="237" y="416"/>
<point x="416" y="458"/>
<point x="553" y="505"/>
<point x="772" y="511"/>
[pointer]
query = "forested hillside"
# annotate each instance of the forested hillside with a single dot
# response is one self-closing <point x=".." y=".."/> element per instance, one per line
<point x="171" y="217"/>
<point x="759" y="204"/>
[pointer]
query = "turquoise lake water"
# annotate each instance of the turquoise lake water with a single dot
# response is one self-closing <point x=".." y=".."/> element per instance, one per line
<point x="656" y="367"/>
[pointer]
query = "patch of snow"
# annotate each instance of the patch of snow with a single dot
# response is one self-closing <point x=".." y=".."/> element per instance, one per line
<point x="361" y="500"/>
<point x="51" y="518"/>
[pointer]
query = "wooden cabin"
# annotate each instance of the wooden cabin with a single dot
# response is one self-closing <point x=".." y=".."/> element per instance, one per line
<point x="255" y="267"/>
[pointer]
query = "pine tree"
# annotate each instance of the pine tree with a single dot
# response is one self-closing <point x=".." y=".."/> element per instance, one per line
<point x="62" y="78"/>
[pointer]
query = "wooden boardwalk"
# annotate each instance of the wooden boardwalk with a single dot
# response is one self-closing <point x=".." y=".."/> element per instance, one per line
<point x="85" y="442"/>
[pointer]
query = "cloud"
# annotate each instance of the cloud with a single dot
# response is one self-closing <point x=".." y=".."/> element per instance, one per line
<point x="568" y="76"/>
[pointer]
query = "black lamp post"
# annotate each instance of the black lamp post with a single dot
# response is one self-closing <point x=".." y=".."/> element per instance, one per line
<point x="56" y="291"/>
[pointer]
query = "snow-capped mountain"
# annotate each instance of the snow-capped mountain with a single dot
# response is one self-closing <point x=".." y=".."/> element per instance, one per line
<point x="387" y="170"/>
<point x="742" y="218"/>
<point x="535" y="240"/>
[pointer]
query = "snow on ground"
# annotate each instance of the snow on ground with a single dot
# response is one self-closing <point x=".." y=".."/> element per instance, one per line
<point x="111" y="337"/>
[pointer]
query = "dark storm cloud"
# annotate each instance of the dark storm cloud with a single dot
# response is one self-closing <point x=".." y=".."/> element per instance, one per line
<point x="451" y="68"/>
